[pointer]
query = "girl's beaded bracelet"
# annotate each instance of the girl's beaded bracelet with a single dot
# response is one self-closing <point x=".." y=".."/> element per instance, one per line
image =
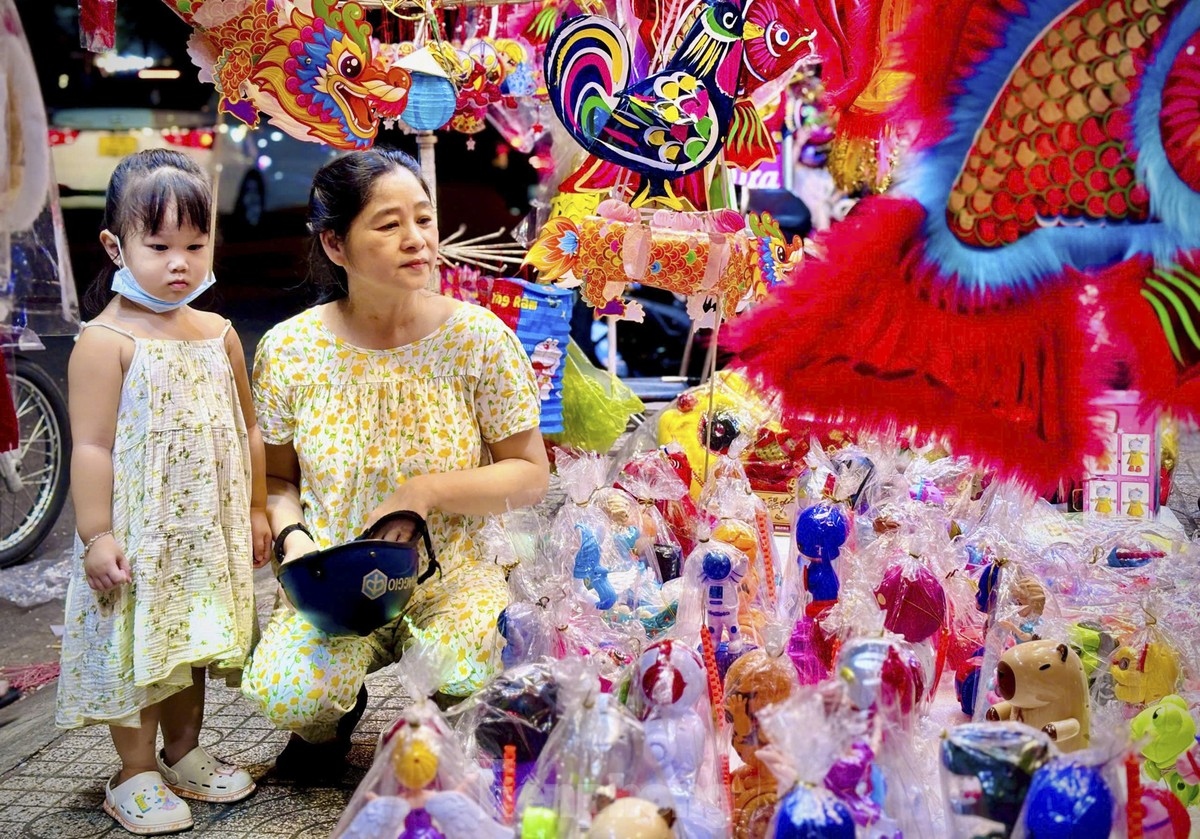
<point x="88" y="545"/>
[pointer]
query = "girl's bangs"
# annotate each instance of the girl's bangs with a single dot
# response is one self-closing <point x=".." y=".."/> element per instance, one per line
<point x="155" y="195"/>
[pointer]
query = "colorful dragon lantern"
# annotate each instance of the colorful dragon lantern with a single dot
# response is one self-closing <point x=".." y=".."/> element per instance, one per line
<point x="308" y="65"/>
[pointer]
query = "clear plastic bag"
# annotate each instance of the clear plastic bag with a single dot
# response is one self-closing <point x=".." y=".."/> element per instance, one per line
<point x="36" y="582"/>
<point x="421" y="778"/>
<point x="596" y="405"/>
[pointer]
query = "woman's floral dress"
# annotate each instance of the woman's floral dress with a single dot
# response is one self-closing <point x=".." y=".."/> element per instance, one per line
<point x="361" y="421"/>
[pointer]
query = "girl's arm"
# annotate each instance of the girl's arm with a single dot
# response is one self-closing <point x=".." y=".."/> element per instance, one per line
<point x="94" y="377"/>
<point x="260" y="528"/>
<point x="518" y="476"/>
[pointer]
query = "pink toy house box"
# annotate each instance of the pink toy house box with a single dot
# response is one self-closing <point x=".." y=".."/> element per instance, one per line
<point x="1124" y="481"/>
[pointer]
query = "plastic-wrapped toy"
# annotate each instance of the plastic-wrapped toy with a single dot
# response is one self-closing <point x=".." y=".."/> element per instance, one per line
<point x="754" y="682"/>
<point x="768" y="450"/>
<point x="883" y="674"/>
<point x="821" y="531"/>
<point x="709" y="601"/>
<point x="632" y="818"/>
<point x="804" y="741"/>
<point x="721" y="571"/>
<point x="594" y="755"/>
<point x="651" y="478"/>
<point x="809" y="668"/>
<point x="670" y="684"/>
<point x="421" y="786"/>
<point x="1169" y="730"/>
<point x="1069" y="799"/>
<point x="590" y="571"/>
<point x="809" y="812"/>
<point x="508" y="722"/>
<point x="597" y="537"/>
<point x="1044" y="686"/>
<point x="913" y="601"/>
<point x="1145" y="669"/>
<point x="751" y="587"/>
<point x="986" y="772"/>
<point x="1169" y="734"/>
<point x="528" y="633"/>
<point x="1029" y="600"/>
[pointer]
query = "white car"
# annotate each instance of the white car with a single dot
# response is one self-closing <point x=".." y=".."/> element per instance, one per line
<point x="261" y="170"/>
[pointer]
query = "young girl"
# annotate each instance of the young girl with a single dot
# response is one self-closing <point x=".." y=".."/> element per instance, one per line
<point x="169" y="516"/>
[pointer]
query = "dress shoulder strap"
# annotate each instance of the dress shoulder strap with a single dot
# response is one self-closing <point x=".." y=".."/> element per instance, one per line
<point x="225" y="331"/>
<point x="111" y="328"/>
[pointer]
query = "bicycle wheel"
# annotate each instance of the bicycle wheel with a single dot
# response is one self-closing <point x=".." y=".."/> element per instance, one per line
<point x="42" y="462"/>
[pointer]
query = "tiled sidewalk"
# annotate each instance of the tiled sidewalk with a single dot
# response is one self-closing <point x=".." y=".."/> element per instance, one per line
<point x="57" y="793"/>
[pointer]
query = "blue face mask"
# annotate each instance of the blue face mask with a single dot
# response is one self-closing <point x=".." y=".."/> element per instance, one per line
<point x="126" y="285"/>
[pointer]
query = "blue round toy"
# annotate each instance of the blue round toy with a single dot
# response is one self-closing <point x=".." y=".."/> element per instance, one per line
<point x="821" y="530"/>
<point x="812" y="813"/>
<point x="1068" y="800"/>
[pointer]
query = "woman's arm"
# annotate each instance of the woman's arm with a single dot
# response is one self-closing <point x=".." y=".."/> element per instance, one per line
<point x="518" y="476"/>
<point x="259" y="527"/>
<point x="283" y="499"/>
<point x="94" y="377"/>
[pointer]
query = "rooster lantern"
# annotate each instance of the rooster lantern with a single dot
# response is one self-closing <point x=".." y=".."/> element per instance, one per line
<point x="669" y="124"/>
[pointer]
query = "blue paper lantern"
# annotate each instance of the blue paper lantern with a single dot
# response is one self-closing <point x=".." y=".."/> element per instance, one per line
<point x="431" y="102"/>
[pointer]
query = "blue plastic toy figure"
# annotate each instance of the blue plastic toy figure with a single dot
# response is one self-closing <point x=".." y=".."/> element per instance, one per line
<point x="821" y="530"/>
<point x="589" y="569"/>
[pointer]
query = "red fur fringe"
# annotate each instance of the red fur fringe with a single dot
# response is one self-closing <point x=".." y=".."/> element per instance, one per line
<point x="1131" y="332"/>
<point x="930" y="58"/>
<point x="856" y="345"/>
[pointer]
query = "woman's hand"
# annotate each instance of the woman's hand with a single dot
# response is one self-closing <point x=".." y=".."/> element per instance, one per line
<point x="260" y="535"/>
<point x="297" y="544"/>
<point x="412" y="495"/>
<point x="105" y="565"/>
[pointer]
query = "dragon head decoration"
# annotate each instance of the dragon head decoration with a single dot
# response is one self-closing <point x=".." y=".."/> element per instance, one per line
<point x="320" y="73"/>
<point x="308" y="64"/>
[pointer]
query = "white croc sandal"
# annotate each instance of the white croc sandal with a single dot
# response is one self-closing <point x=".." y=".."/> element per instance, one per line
<point x="145" y="806"/>
<point x="202" y="777"/>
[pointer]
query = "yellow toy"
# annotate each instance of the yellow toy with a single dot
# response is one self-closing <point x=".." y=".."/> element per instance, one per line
<point x="732" y="397"/>
<point x="1146" y="674"/>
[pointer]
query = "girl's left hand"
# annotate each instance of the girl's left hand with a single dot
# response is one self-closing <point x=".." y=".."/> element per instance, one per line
<point x="260" y="534"/>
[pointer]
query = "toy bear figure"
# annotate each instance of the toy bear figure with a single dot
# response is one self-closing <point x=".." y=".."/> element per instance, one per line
<point x="1044" y="686"/>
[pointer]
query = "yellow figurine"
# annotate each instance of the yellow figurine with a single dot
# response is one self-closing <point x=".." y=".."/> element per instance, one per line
<point x="1146" y="674"/>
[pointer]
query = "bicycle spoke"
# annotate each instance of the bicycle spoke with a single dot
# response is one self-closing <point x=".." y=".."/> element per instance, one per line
<point x="40" y="462"/>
